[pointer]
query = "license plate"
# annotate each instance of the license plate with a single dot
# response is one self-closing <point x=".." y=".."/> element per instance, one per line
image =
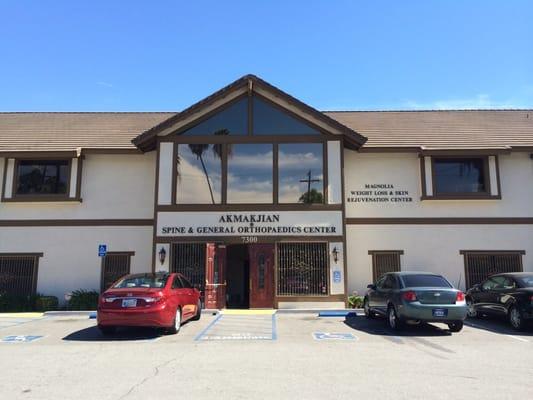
<point x="129" y="303"/>
<point x="440" y="312"/>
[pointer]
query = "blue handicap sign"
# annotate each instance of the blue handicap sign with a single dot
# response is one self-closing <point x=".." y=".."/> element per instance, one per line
<point x="333" y="336"/>
<point x="337" y="276"/>
<point x="20" y="339"/>
<point x="102" y="250"/>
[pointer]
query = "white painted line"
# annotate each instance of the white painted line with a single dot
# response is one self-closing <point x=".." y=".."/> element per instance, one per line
<point x="518" y="338"/>
<point x="471" y="324"/>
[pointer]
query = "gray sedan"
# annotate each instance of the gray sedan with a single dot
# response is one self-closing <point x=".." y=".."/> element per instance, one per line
<point x="416" y="297"/>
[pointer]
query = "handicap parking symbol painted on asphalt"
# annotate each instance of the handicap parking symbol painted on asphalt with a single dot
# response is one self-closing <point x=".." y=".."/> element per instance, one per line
<point x="20" y="339"/>
<point x="333" y="336"/>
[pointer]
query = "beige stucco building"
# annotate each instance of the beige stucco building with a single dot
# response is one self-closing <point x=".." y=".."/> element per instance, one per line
<point x="261" y="200"/>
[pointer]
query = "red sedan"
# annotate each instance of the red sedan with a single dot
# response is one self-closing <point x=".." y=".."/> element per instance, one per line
<point x="158" y="300"/>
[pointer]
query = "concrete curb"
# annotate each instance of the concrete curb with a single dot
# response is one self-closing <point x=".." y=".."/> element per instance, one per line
<point x="89" y="313"/>
<point x="317" y="310"/>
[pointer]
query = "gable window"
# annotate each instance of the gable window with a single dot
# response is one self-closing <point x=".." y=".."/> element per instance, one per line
<point x="199" y="173"/>
<point x="232" y="120"/>
<point x="461" y="176"/>
<point x="301" y="177"/>
<point x="250" y="173"/>
<point x="251" y="116"/>
<point x="269" y="120"/>
<point x="42" y="177"/>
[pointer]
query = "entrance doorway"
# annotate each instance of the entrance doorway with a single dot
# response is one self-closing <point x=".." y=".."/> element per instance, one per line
<point x="250" y="276"/>
<point x="237" y="276"/>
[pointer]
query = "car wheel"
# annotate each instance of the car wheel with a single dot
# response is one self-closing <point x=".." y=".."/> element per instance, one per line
<point x="175" y="328"/>
<point x="368" y="312"/>
<point x="198" y="311"/>
<point x="107" y="330"/>
<point x="455" y="326"/>
<point x="516" y="319"/>
<point x="471" y="309"/>
<point x="395" y="323"/>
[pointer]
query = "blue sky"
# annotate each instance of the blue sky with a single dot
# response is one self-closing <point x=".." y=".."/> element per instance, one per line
<point x="163" y="56"/>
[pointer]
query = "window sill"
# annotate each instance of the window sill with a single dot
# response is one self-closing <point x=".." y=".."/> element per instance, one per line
<point x="484" y="196"/>
<point x="41" y="199"/>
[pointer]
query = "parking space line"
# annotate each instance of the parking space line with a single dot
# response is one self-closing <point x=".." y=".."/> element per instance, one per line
<point x="274" y="328"/>
<point x="208" y="327"/>
<point x="489" y="330"/>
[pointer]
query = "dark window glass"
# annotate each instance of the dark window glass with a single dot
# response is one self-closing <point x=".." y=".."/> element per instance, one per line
<point x="489" y="284"/>
<point x="189" y="259"/>
<point x="186" y="283"/>
<point x="18" y="275"/>
<point x="300" y="173"/>
<point x="199" y="174"/>
<point x="302" y="269"/>
<point x="269" y="120"/>
<point x="525" y="281"/>
<point x="389" y="282"/>
<point x="423" y="280"/>
<point x="176" y="284"/>
<point x="454" y="175"/>
<point x="142" y="281"/>
<point x="250" y="173"/>
<point x="115" y="266"/>
<point x="42" y="176"/>
<point x="232" y="120"/>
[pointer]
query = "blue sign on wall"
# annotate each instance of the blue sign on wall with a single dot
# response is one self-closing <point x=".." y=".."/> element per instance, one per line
<point x="102" y="250"/>
<point x="337" y="276"/>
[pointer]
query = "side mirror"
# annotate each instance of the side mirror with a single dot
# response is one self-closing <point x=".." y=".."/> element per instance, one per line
<point x="371" y="286"/>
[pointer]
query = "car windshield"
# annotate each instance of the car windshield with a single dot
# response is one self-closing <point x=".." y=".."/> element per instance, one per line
<point x="142" y="281"/>
<point x="424" y="280"/>
<point x="525" y="281"/>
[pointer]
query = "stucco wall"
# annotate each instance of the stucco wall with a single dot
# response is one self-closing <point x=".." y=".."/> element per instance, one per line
<point x="403" y="171"/>
<point x="113" y="187"/>
<point x="71" y="259"/>
<point x="433" y="248"/>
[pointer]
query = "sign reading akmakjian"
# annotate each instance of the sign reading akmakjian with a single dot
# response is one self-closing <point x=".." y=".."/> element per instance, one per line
<point x="280" y="223"/>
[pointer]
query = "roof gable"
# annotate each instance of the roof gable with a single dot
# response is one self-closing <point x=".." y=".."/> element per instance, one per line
<point x="248" y="85"/>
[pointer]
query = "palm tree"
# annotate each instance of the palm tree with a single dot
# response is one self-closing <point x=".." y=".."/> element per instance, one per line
<point x="199" y="150"/>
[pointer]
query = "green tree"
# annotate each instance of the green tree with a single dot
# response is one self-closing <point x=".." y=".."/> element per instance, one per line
<point x="312" y="196"/>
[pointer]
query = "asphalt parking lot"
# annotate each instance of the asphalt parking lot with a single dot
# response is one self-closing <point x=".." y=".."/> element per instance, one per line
<point x="282" y="356"/>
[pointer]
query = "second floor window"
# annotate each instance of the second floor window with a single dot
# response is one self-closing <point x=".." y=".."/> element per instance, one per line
<point x="460" y="176"/>
<point x="42" y="177"/>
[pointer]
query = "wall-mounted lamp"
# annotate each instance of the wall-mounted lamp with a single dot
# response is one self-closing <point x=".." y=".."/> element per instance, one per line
<point x="335" y="254"/>
<point x="162" y="255"/>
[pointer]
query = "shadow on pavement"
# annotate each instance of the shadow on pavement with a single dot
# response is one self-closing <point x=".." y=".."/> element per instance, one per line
<point x="497" y="325"/>
<point x="378" y="326"/>
<point x="93" y="334"/>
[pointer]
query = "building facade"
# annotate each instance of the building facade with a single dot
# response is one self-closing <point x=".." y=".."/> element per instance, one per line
<point x="261" y="200"/>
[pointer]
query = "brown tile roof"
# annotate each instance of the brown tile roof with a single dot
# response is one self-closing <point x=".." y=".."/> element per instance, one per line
<point x="45" y="131"/>
<point x="441" y="129"/>
<point x="384" y="129"/>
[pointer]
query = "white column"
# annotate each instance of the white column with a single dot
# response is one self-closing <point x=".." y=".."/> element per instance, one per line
<point x="429" y="176"/>
<point x="164" y="187"/>
<point x="73" y="177"/>
<point x="334" y="172"/>
<point x="9" y="178"/>
<point x="336" y="270"/>
<point x="493" y="174"/>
